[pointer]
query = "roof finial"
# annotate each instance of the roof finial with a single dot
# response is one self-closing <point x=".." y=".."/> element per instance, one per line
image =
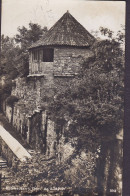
<point x="67" y="11"/>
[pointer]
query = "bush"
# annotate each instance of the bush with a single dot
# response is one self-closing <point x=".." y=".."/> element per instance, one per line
<point x="11" y="100"/>
<point x="7" y="87"/>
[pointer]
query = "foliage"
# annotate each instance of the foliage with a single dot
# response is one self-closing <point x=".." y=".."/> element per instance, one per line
<point x="11" y="100"/>
<point x="93" y="102"/>
<point x="90" y="109"/>
<point x="109" y="34"/>
<point x="9" y="57"/>
<point x="120" y="36"/>
<point x="37" y="173"/>
<point x="5" y="90"/>
<point x="14" y="54"/>
<point x="81" y="171"/>
<point x="26" y="37"/>
<point x="41" y="175"/>
<point x="14" y="51"/>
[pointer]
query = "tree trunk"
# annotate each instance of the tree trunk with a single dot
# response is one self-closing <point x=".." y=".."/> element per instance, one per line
<point x="109" y="168"/>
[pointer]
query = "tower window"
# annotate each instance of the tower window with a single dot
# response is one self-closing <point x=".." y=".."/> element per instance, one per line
<point x="48" y="55"/>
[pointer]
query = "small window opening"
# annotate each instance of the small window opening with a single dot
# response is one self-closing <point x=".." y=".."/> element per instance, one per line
<point x="48" y="55"/>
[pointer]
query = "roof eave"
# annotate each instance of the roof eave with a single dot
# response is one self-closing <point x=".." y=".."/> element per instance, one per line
<point x="58" y="45"/>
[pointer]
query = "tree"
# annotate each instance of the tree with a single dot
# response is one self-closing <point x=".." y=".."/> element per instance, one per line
<point x="94" y="100"/>
<point x="25" y="38"/>
<point x="93" y="103"/>
<point x="8" y="68"/>
<point x="9" y="54"/>
<point x="91" y="107"/>
<point x="14" y="54"/>
<point x="14" y="51"/>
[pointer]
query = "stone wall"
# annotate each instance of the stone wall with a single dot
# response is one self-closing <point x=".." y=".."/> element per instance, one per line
<point x="30" y="120"/>
<point x="49" y="76"/>
<point x="7" y="153"/>
<point x="27" y="90"/>
<point x="37" y="129"/>
<point x="34" y="127"/>
<point x="9" y="113"/>
<point x="67" y="60"/>
<point x="33" y="93"/>
<point x="51" y="139"/>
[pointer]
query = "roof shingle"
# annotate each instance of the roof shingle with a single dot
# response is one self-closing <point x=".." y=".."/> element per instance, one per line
<point x="66" y="31"/>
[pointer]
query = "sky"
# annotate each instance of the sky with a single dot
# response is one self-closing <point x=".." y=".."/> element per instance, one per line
<point x="91" y="14"/>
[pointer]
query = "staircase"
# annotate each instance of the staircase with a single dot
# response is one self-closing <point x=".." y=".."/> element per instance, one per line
<point x="4" y="177"/>
<point x="3" y="163"/>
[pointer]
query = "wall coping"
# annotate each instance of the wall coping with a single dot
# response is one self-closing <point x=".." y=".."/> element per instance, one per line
<point x="36" y="75"/>
<point x="19" y="151"/>
<point x="67" y="75"/>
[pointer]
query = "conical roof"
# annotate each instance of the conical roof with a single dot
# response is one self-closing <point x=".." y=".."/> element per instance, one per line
<point x="66" y="31"/>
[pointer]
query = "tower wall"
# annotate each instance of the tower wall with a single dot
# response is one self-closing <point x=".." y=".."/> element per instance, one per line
<point x="67" y="61"/>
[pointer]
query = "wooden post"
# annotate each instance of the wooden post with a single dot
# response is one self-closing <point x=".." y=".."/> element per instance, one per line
<point x="0" y="182"/>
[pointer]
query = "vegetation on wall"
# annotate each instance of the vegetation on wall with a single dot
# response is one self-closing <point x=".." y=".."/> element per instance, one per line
<point x="5" y="90"/>
<point x="11" y="100"/>
<point x="15" y="56"/>
<point x="25" y="37"/>
<point x="93" y="103"/>
<point x="90" y="109"/>
<point x="39" y="176"/>
<point x="14" y="51"/>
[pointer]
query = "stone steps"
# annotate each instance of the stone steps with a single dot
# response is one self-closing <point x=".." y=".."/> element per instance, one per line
<point x="3" y="163"/>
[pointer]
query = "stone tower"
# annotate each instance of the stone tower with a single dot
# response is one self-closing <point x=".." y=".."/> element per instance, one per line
<point x="61" y="50"/>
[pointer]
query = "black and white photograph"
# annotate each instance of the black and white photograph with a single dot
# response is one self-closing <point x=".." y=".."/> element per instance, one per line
<point x="62" y="75"/>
